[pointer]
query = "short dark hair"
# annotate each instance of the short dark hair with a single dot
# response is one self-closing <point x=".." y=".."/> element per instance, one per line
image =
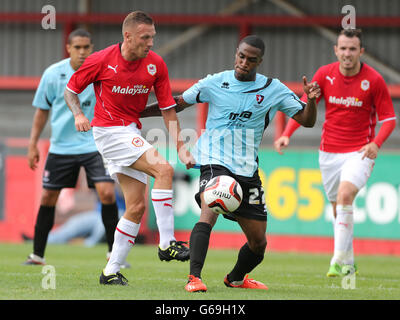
<point x="350" y="33"/>
<point x="137" y="17"/>
<point x="254" y="41"/>
<point x="79" y="33"/>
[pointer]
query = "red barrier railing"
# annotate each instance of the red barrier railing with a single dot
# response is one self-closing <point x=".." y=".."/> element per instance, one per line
<point x="210" y="19"/>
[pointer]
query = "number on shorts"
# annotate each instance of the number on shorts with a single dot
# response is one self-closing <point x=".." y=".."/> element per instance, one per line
<point x="254" y="197"/>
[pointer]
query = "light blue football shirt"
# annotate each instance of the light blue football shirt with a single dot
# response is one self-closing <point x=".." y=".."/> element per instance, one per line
<point x="65" y="139"/>
<point x="238" y="114"/>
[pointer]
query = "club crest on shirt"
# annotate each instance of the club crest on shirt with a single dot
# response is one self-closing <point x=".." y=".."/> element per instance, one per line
<point x="260" y="98"/>
<point x="365" y="85"/>
<point x="137" y="142"/>
<point x="151" y="69"/>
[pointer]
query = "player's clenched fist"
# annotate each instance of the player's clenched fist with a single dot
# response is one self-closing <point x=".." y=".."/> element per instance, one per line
<point x="82" y="123"/>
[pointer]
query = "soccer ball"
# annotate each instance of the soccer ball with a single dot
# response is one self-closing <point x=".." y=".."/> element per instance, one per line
<point x="223" y="194"/>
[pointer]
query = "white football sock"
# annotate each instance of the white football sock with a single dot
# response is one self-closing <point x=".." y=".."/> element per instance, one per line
<point x="349" y="256"/>
<point x="124" y="238"/>
<point x="344" y="225"/>
<point x="162" y="203"/>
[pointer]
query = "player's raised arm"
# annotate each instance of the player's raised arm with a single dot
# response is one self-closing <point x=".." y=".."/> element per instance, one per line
<point x="305" y="117"/>
<point x="82" y="123"/>
<point x="308" y="115"/>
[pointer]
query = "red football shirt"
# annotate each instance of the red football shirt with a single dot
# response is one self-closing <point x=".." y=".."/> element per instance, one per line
<point x="122" y="87"/>
<point x="352" y="104"/>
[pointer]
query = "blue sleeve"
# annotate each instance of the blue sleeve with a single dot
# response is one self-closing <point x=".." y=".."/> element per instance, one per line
<point x="45" y="93"/>
<point x="289" y="103"/>
<point x="199" y="92"/>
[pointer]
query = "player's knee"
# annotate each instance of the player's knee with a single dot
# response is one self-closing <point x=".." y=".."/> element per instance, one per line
<point x="344" y="197"/>
<point x="165" y="172"/>
<point x="258" y="246"/>
<point x="107" y="195"/>
<point x="262" y="246"/>
<point x="136" y="209"/>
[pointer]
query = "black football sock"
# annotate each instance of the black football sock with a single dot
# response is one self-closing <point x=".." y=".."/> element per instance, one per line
<point x="109" y="215"/>
<point x="246" y="262"/>
<point x="199" y="240"/>
<point x="44" y="223"/>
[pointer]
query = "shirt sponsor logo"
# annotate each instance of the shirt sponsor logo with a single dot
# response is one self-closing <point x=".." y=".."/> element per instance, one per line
<point x="86" y="103"/>
<point x="240" y="116"/>
<point x="347" y="102"/>
<point x="137" y="89"/>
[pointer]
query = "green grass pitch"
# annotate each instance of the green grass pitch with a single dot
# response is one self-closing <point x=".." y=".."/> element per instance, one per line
<point x="289" y="276"/>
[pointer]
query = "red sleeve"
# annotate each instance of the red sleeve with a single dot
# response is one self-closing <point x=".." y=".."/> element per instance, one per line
<point x="384" y="132"/>
<point x="162" y="88"/>
<point x="86" y="74"/>
<point x="290" y="128"/>
<point x="382" y="100"/>
<point x="384" y="109"/>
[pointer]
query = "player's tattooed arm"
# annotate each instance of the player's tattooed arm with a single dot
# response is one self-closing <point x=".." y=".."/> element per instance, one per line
<point x="73" y="102"/>
<point x="152" y="110"/>
<point x="82" y="123"/>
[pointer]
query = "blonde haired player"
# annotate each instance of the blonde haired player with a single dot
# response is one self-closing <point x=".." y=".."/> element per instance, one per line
<point x="354" y="95"/>
<point x="123" y="75"/>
